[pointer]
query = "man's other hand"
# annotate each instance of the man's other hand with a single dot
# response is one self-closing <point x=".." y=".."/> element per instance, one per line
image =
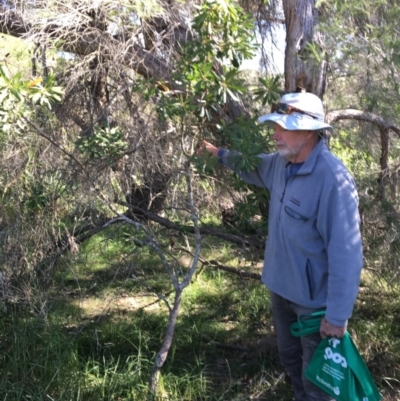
<point x="327" y="329"/>
<point x="207" y="147"/>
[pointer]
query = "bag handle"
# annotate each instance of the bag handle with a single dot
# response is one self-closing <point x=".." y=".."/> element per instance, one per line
<point x="307" y="324"/>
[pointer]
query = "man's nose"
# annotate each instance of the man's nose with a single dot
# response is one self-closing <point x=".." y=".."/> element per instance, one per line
<point x="277" y="135"/>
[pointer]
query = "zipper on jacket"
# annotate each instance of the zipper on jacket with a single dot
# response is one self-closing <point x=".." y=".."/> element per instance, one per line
<point x="309" y="279"/>
<point x="280" y="209"/>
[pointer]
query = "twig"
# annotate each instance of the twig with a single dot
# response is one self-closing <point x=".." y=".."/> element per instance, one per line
<point x="57" y="145"/>
<point x="218" y="265"/>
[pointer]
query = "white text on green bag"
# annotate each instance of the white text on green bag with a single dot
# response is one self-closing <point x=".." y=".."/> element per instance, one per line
<point x="335" y="356"/>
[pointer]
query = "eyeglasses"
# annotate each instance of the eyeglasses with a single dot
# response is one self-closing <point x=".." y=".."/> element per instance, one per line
<point x="284" y="108"/>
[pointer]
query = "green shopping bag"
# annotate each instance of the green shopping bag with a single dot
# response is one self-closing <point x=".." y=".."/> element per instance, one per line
<point x="336" y="366"/>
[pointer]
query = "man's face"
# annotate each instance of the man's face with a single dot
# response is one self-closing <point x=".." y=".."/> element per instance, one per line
<point x="293" y="145"/>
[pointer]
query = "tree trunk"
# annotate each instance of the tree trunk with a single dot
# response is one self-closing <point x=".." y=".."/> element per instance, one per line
<point x="394" y="184"/>
<point x="99" y="90"/>
<point x="301" y="70"/>
<point x="384" y="173"/>
<point x="162" y="354"/>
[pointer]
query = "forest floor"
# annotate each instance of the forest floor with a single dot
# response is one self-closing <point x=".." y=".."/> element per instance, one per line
<point x="96" y="335"/>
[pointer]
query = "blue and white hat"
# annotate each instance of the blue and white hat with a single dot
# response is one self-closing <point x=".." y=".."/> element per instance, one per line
<point x="298" y="111"/>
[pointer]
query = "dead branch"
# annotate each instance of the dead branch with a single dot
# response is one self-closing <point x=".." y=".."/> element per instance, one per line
<point x="41" y="133"/>
<point x="352" y="114"/>
<point x="218" y="265"/>
<point x="241" y="273"/>
<point x="236" y="239"/>
<point x="88" y="41"/>
<point x="122" y="49"/>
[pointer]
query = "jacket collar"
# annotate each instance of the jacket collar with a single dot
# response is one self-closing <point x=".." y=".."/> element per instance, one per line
<point x="311" y="160"/>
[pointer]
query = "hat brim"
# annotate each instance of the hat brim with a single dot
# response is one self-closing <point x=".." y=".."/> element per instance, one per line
<point x="294" y="122"/>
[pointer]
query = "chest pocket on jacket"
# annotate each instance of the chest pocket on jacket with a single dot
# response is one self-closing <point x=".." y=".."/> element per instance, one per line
<point x="300" y="228"/>
<point x="295" y="215"/>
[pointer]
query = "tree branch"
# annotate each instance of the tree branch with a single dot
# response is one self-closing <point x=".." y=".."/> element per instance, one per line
<point x="12" y="23"/>
<point x="122" y="49"/>
<point x="41" y="133"/>
<point x="352" y="114"/>
<point x="89" y="40"/>
<point x="241" y="273"/>
<point x="236" y="239"/>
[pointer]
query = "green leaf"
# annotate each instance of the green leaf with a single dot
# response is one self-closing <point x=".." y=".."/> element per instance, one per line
<point x="232" y="95"/>
<point x="36" y="97"/>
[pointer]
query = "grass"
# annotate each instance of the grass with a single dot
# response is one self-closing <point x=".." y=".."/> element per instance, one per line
<point x="105" y="324"/>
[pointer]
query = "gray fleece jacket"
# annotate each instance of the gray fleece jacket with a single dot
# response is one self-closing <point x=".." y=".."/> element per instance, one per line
<point x="313" y="255"/>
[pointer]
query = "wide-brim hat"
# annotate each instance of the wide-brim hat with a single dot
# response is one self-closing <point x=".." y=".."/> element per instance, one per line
<point x="298" y="111"/>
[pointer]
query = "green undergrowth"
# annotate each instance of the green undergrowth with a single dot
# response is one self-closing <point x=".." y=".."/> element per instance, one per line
<point x="96" y="336"/>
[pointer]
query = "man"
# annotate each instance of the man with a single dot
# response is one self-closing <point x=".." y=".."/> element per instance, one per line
<point x="313" y="256"/>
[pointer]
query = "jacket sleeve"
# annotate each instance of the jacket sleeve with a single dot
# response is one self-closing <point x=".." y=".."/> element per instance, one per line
<point x="261" y="176"/>
<point x="339" y="224"/>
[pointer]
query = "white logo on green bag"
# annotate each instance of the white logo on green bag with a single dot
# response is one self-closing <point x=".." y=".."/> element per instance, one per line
<point x="336" y="390"/>
<point x="334" y="342"/>
<point x="335" y="356"/>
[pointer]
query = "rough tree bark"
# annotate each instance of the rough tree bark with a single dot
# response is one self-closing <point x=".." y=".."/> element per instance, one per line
<point x="384" y="162"/>
<point x="302" y="71"/>
<point x="310" y="74"/>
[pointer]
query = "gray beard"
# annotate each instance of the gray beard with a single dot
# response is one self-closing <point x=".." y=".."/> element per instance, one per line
<point x="289" y="153"/>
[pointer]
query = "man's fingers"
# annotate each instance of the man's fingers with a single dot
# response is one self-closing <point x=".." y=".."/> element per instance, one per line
<point x="329" y="330"/>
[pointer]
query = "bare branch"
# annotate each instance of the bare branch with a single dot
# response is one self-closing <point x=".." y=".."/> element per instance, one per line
<point x="87" y="41"/>
<point x="352" y="114"/>
<point x="196" y="228"/>
<point x="236" y="239"/>
<point x="150" y="241"/>
<point x="241" y="273"/>
<point x="173" y="315"/>
<point x="41" y="133"/>
<point x="12" y="23"/>
<point x="218" y="265"/>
